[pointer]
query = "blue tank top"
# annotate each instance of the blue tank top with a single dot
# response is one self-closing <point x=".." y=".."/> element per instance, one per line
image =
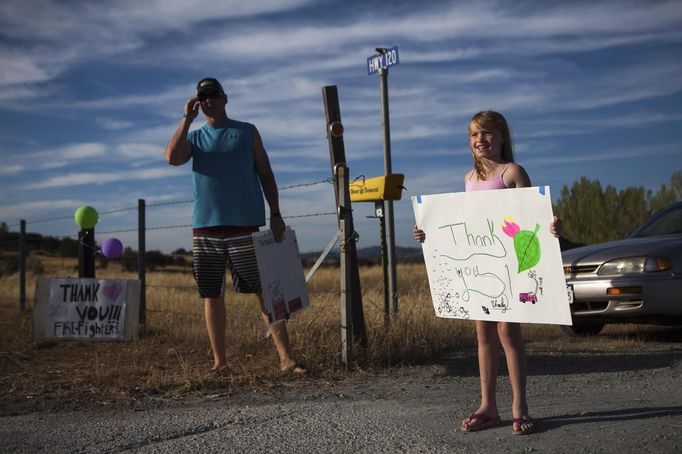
<point x="227" y="190"/>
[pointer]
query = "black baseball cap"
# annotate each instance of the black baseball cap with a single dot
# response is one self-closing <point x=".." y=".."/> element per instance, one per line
<point x="209" y="85"/>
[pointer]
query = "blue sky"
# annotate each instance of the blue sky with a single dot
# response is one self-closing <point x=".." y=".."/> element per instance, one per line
<point x="91" y="91"/>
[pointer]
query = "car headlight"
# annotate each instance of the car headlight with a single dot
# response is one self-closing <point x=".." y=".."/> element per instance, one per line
<point x="629" y="265"/>
<point x="657" y="263"/>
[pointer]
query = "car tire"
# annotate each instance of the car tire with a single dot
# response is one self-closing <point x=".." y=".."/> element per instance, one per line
<point x="582" y="329"/>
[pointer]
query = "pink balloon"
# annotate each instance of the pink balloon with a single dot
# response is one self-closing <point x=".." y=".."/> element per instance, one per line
<point x="112" y="248"/>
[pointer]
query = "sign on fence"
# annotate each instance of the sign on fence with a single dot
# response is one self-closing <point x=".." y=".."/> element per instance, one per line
<point x="281" y="275"/>
<point x="89" y="309"/>
<point x="490" y="256"/>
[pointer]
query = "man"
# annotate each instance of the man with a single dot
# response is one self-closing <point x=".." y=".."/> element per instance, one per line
<point x="231" y="173"/>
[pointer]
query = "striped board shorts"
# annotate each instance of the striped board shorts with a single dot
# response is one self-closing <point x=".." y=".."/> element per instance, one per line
<point x="214" y="248"/>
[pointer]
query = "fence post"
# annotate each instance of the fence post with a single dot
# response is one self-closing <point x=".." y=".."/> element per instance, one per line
<point x="141" y="264"/>
<point x="345" y="262"/>
<point x="337" y="155"/>
<point x="22" y="265"/>
<point x="86" y="253"/>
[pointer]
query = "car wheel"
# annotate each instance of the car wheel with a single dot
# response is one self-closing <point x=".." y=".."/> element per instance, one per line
<point x="582" y="329"/>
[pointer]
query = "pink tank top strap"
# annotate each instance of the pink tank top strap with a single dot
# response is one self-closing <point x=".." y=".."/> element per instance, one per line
<point x="504" y="170"/>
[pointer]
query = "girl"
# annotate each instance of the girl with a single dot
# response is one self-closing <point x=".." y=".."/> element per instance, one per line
<point x="494" y="168"/>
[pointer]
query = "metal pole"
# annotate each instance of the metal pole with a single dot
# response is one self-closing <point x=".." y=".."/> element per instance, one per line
<point x="346" y="263"/>
<point x="379" y="213"/>
<point x="22" y="265"/>
<point x="141" y="264"/>
<point x="388" y="204"/>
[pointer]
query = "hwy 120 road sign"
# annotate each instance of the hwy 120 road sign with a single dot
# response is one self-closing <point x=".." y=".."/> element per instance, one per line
<point x="377" y="62"/>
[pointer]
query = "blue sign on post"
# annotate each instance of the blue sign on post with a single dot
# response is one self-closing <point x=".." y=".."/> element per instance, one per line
<point x="377" y="62"/>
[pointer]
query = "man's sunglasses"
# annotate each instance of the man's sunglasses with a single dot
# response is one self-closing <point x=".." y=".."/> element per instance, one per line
<point x="213" y="95"/>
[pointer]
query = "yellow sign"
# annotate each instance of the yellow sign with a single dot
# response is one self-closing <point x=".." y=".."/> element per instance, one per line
<point x="385" y="187"/>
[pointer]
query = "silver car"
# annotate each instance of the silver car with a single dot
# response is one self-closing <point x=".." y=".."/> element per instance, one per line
<point x="635" y="280"/>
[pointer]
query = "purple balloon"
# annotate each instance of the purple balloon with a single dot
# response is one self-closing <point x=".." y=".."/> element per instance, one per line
<point x="112" y="248"/>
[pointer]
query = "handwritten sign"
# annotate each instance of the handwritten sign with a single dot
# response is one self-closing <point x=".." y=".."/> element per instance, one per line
<point x="490" y="256"/>
<point x="281" y="274"/>
<point x="86" y="308"/>
<point x="92" y="309"/>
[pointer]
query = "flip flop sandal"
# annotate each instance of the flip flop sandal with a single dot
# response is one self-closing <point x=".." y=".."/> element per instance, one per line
<point x="485" y="422"/>
<point x="519" y="422"/>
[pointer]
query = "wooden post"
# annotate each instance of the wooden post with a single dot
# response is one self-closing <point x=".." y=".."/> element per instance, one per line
<point x="22" y="265"/>
<point x="337" y="155"/>
<point x="345" y="261"/>
<point x="86" y="253"/>
<point x="141" y="264"/>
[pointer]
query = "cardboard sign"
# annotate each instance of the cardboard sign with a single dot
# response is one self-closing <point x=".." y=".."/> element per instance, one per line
<point x="90" y="309"/>
<point x="281" y="274"/>
<point x="490" y="256"/>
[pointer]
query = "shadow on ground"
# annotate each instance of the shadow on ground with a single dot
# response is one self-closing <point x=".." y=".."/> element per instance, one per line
<point x="625" y="414"/>
<point x="542" y="361"/>
<point x="571" y="363"/>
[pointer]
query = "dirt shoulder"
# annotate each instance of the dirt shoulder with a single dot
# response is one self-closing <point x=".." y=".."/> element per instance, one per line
<point x="582" y="401"/>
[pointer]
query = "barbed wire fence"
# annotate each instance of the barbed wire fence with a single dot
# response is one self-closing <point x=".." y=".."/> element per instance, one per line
<point x="21" y="243"/>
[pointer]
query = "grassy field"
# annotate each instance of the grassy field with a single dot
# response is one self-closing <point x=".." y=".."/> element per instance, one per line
<point x="171" y="357"/>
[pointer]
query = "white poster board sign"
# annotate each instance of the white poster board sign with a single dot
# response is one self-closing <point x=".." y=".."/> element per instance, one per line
<point x="490" y="256"/>
<point x="92" y="309"/>
<point x="281" y="274"/>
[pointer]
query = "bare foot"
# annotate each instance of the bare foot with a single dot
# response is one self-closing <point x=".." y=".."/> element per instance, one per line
<point x="293" y="368"/>
<point x="523" y="425"/>
<point x="479" y="421"/>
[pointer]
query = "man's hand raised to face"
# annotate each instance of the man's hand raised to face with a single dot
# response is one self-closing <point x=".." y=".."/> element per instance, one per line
<point x="192" y="108"/>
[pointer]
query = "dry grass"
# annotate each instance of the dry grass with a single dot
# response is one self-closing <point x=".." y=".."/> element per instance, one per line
<point x="171" y="357"/>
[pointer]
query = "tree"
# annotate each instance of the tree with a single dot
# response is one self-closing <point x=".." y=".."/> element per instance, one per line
<point x="68" y="248"/>
<point x="593" y="215"/>
<point x="586" y="210"/>
<point x="129" y="259"/>
<point x="666" y="195"/>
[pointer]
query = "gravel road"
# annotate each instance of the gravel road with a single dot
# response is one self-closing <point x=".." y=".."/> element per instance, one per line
<point x="582" y="403"/>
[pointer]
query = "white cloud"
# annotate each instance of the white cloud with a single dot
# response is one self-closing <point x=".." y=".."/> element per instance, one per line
<point x="55" y="35"/>
<point x="11" y="169"/>
<point x="19" y="68"/>
<point x="113" y="124"/>
<point x="100" y="178"/>
<point x="621" y="153"/>
<point x="35" y="209"/>
<point x="55" y="158"/>
<point x="81" y="151"/>
<point x="142" y="151"/>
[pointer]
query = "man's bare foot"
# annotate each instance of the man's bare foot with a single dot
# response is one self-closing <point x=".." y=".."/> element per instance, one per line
<point x="293" y="368"/>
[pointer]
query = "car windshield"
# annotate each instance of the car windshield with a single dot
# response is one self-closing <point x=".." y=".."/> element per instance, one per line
<point x="668" y="223"/>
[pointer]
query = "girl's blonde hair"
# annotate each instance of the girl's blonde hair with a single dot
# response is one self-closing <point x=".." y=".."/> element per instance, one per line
<point x="489" y="119"/>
